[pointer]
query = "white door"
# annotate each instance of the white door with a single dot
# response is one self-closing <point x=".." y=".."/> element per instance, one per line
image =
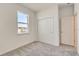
<point x="68" y="30"/>
<point x="45" y="29"/>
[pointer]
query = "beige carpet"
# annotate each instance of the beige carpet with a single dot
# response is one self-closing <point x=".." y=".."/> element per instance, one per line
<point x="41" y="49"/>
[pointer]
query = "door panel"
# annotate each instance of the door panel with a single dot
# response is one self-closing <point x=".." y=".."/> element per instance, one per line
<point x="67" y="30"/>
<point x="45" y="30"/>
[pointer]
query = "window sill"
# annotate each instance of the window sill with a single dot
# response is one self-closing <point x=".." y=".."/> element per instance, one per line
<point x="23" y="33"/>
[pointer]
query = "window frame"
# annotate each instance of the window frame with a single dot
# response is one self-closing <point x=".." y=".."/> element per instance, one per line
<point x="26" y="23"/>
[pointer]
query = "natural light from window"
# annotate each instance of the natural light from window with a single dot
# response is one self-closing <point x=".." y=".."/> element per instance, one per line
<point x="22" y="20"/>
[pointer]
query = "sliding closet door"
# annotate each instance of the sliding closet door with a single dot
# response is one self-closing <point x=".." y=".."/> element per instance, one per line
<point x="45" y="29"/>
<point x="68" y="30"/>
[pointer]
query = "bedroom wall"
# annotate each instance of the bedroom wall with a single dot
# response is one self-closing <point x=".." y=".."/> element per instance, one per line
<point x="66" y="11"/>
<point x="9" y="39"/>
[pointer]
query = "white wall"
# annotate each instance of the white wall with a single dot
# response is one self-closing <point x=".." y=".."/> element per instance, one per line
<point x="9" y="39"/>
<point x="51" y="12"/>
<point x="75" y="8"/>
<point x="66" y="11"/>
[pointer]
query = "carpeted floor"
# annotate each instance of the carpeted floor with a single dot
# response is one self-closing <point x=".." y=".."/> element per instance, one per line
<point x="41" y="49"/>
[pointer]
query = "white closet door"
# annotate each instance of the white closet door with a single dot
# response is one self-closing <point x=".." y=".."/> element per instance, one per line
<point x="45" y="30"/>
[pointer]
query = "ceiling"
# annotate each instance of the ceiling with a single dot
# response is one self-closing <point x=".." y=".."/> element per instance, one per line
<point x="41" y="6"/>
<point x="38" y="6"/>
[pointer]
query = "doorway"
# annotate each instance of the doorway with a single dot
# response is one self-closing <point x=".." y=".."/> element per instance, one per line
<point x="67" y="25"/>
<point x="68" y="30"/>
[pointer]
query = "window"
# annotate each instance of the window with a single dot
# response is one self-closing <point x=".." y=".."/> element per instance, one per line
<point x="22" y="21"/>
